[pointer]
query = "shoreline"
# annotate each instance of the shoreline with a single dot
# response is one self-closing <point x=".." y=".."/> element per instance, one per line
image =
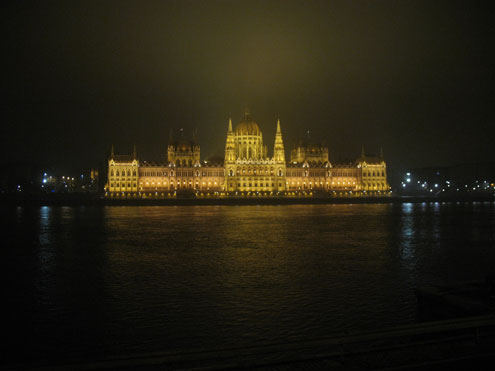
<point x="84" y="200"/>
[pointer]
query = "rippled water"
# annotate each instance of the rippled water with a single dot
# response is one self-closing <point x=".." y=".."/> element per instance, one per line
<point x="92" y="282"/>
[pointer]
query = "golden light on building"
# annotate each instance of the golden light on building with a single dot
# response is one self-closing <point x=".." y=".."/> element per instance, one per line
<point x="246" y="170"/>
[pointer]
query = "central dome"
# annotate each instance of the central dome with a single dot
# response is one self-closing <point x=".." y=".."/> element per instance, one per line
<point x="247" y="126"/>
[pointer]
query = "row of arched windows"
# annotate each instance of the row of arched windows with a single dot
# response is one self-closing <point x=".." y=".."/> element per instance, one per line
<point x="255" y="184"/>
<point x="371" y="186"/>
<point x="157" y="173"/>
<point x="183" y="173"/>
<point x="251" y="170"/>
<point x="184" y="162"/>
<point x="375" y="173"/>
<point x="117" y="185"/>
<point x="311" y="173"/>
<point x="123" y="173"/>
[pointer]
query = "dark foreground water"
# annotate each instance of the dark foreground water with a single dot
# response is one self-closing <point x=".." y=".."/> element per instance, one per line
<point x="92" y="282"/>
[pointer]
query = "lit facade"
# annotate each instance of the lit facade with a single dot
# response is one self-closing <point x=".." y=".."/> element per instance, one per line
<point x="246" y="171"/>
<point x="123" y="174"/>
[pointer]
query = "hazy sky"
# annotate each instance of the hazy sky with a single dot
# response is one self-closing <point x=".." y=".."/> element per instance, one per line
<point x="413" y="77"/>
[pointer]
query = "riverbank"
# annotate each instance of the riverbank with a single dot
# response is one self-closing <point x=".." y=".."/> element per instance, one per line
<point x="96" y="200"/>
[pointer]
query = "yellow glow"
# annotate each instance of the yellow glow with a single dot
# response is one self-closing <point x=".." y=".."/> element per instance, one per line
<point x="250" y="170"/>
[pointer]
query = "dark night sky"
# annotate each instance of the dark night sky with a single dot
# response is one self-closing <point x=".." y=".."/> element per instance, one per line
<point x="415" y="78"/>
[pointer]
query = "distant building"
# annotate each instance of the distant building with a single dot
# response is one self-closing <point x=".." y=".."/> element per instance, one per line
<point x="247" y="170"/>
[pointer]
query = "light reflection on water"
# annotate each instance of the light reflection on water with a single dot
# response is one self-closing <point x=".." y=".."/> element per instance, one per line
<point x="115" y="280"/>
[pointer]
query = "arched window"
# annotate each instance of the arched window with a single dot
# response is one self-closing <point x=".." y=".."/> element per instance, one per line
<point x="183" y="162"/>
<point x="177" y="162"/>
<point x="231" y="172"/>
<point x="134" y="173"/>
<point x="111" y="172"/>
<point x="118" y="173"/>
<point x="128" y="173"/>
<point x="279" y="172"/>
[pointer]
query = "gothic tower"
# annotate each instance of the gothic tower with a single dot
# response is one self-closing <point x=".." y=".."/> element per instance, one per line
<point x="230" y="158"/>
<point x="278" y="148"/>
<point x="229" y="145"/>
<point x="279" y="158"/>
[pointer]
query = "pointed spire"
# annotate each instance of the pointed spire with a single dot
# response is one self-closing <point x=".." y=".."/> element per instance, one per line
<point x="307" y="136"/>
<point x="247" y="114"/>
<point x="230" y="125"/>
<point x="134" y="153"/>
<point x="278" y="148"/>
<point x="112" y="152"/>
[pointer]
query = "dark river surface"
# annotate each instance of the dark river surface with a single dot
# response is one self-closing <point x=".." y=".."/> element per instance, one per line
<point x="90" y="282"/>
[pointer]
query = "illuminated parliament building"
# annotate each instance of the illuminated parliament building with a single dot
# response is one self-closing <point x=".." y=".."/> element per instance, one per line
<point x="246" y="170"/>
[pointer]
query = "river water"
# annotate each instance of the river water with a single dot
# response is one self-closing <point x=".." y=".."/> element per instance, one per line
<point x="91" y="282"/>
